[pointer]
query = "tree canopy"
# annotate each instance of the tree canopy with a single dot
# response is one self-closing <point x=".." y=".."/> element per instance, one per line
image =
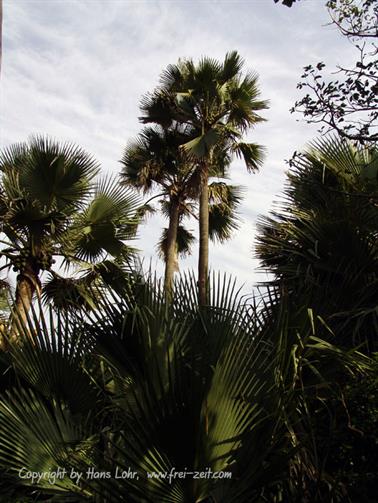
<point x="348" y="103"/>
<point x="57" y="218"/>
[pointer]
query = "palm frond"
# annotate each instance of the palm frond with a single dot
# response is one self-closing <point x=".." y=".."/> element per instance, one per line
<point x="232" y="66"/>
<point x="223" y="217"/>
<point x="251" y="153"/>
<point x="323" y="237"/>
<point x="42" y="435"/>
<point x="104" y="225"/>
<point x="68" y="294"/>
<point x="53" y="173"/>
<point x="184" y="242"/>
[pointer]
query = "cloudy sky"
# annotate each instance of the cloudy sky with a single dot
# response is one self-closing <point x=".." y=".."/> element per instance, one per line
<point x="76" y="70"/>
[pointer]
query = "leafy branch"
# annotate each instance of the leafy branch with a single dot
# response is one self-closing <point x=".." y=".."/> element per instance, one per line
<point x="349" y="103"/>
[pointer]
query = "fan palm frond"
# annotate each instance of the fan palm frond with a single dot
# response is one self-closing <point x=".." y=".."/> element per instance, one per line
<point x="324" y="235"/>
<point x="109" y="220"/>
<point x="184" y="242"/>
<point x="52" y="173"/>
<point x="223" y="217"/>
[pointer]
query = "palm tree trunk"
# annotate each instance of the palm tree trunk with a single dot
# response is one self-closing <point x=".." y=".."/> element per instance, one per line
<point x="203" y="260"/>
<point x="171" y="253"/>
<point x="27" y="284"/>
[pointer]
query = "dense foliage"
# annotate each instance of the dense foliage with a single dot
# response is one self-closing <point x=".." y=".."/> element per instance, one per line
<point x="157" y="387"/>
<point x="321" y="242"/>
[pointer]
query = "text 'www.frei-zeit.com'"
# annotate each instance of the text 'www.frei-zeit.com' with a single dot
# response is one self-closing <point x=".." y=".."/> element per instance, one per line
<point x="174" y="474"/>
<point x="53" y="476"/>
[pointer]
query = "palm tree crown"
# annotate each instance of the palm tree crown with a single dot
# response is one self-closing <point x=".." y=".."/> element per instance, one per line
<point x="52" y="210"/>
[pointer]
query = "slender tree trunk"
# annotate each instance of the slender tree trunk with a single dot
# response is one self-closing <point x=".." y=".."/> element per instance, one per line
<point x="27" y="284"/>
<point x="171" y="251"/>
<point x="203" y="260"/>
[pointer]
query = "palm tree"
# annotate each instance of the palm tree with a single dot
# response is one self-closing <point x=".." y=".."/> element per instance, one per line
<point x="322" y="243"/>
<point x="219" y="105"/>
<point x="156" y="159"/>
<point x="54" y="212"/>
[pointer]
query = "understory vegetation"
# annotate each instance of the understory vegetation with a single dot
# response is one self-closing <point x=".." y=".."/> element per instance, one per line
<point x="255" y="387"/>
<point x="120" y="386"/>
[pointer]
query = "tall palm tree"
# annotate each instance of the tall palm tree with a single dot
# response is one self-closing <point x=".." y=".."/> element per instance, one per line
<point x="53" y="211"/>
<point x="219" y="105"/>
<point x="322" y="242"/>
<point x="155" y="159"/>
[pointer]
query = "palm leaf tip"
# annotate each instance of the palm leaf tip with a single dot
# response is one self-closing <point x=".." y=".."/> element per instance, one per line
<point x="252" y="154"/>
